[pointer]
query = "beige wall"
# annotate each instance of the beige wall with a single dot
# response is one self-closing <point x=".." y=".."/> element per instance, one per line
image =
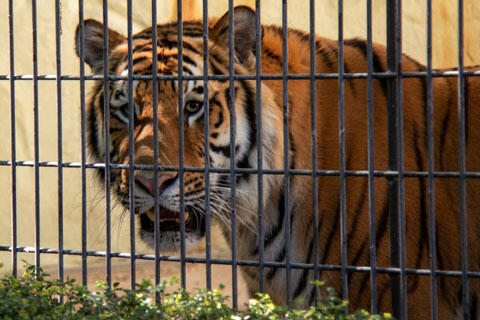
<point x="414" y="39"/>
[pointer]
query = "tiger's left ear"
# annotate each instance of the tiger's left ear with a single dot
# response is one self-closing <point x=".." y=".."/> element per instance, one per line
<point x="243" y="28"/>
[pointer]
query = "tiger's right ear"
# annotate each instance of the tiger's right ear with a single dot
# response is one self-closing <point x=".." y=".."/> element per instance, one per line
<point x="93" y="43"/>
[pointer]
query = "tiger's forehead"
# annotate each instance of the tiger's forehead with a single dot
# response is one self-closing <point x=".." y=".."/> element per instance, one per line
<point x="167" y="57"/>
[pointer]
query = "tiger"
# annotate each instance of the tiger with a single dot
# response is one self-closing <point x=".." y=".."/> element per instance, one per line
<point x="288" y="199"/>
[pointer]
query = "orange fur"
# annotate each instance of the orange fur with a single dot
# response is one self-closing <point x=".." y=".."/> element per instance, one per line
<point x="415" y="152"/>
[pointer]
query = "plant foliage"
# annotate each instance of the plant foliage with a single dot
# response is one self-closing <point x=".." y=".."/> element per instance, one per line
<point x="35" y="296"/>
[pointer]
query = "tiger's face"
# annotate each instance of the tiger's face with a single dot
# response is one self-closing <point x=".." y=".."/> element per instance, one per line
<point x="175" y="123"/>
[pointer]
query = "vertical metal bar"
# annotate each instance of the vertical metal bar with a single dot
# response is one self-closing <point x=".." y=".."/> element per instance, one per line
<point x="286" y="148"/>
<point x="36" y="133"/>
<point x="13" y="140"/>
<point x="371" y="179"/>
<point x="181" y="143"/>
<point x="206" y="117"/>
<point x="431" y="167"/>
<point x="106" y="125"/>
<point x="392" y="153"/>
<point x="313" y="121"/>
<point x="401" y="185"/>
<point x="463" y="196"/>
<point x="155" y="146"/>
<point x="58" y="27"/>
<point x="131" y="129"/>
<point x="83" y="142"/>
<point x="258" y="86"/>
<point x="231" y="103"/>
<point x="341" y="138"/>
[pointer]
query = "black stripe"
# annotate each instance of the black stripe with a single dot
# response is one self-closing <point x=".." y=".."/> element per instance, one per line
<point x="333" y="230"/>
<point x="365" y="276"/>
<point x="357" y="213"/>
<point x="92" y="123"/>
<point x="243" y="163"/>
<point x="363" y="284"/>
<point x="304" y="36"/>
<point x="273" y="232"/>
<point x="445" y="123"/>
<point x="359" y="252"/>
<point x="423" y="236"/>
<point x="163" y="58"/>
<point x="272" y="55"/>
<point x="377" y="64"/>
<point x="192" y="34"/>
<point x="273" y="270"/>
<point x="473" y="306"/>
<point x="311" y="300"/>
<point x="251" y="107"/>
<point x="174" y="44"/>
<point x="225" y="150"/>
<point x="218" y="58"/>
<point x="381" y="228"/>
<point x="216" y="71"/>
<point x="217" y="124"/>
<point x="302" y="284"/>
<point x="138" y="60"/>
<point x="188" y="60"/>
<point x="441" y="266"/>
<point x="324" y="55"/>
<point x="465" y="104"/>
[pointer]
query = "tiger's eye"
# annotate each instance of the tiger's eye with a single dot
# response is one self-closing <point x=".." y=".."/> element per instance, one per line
<point x="193" y="106"/>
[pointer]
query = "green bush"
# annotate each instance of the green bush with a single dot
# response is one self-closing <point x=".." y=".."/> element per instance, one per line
<point x="34" y="296"/>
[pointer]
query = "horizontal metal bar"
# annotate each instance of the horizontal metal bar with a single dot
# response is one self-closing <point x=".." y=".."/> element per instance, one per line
<point x="352" y="173"/>
<point x="324" y="267"/>
<point x="296" y="76"/>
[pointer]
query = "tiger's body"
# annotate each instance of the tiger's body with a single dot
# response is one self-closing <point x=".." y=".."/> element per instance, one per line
<point x="298" y="209"/>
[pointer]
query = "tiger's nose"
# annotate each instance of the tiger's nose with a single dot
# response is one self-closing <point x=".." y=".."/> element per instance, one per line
<point x="149" y="183"/>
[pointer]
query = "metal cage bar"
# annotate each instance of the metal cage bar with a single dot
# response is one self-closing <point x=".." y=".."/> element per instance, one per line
<point x="392" y="152"/>
<point x="83" y="140"/>
<point x="371" y="180"/>
<point x="298" y="76"/>
<point x="36" y="134"/>
<point x="286" y="150"/>
<point x="258" y="102"/>
<point x="156" y="212"/>
<point x="131" y="147"/>
<point x="431" y="167"/>
<point x="351" y="173"/>
<point x="206" y="137"/>
<point x="106" y="119"/>
<point x="313" y="125"/>
<point x="341" y="148"/>
<point x="59" y="137"/>
<point x="14" y="256"/>
<point x="233" y="126"/>
<point x="462" y="164"/>
<point x="396" y="175"/>
<point x="181" y="142"/>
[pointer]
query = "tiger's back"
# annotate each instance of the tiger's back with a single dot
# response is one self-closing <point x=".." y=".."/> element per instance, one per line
<point x="415" y="159"/>
<point x="293" y="204"/>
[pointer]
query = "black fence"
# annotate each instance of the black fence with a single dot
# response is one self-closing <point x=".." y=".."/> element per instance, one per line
<point x="395" y="174"/>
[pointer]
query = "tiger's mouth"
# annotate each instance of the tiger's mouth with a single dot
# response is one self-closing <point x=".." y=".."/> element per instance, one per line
<point x="169" y="221"/>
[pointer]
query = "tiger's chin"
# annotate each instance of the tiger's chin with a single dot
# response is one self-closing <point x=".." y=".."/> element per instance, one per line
<point x="169" y="235"/>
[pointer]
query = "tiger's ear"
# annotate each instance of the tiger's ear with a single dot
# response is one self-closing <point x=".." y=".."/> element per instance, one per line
<point x="93" y="43"/>
<point x="244" y="32"/>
